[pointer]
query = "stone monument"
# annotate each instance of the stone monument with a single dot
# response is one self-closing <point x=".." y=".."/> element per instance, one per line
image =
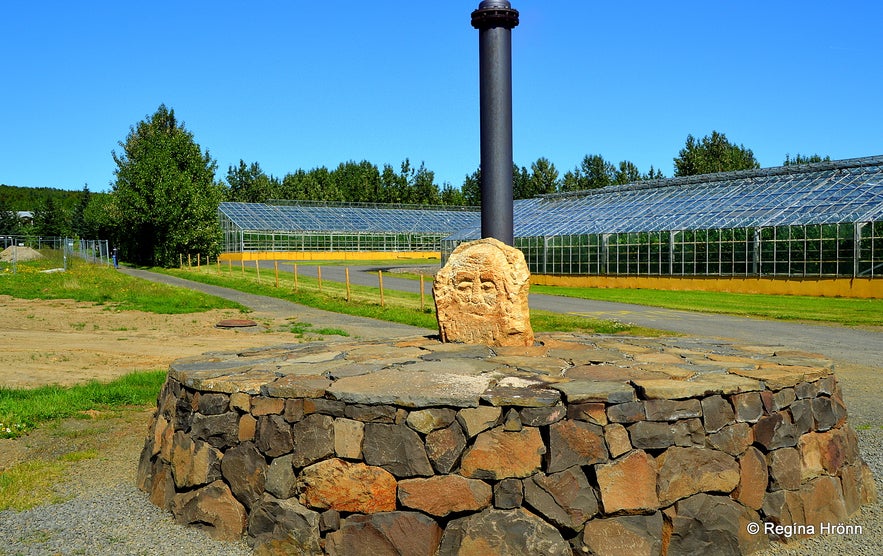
<point x="481" y="295"/>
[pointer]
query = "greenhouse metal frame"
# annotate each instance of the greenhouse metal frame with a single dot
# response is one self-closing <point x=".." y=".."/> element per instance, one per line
<point x="814" y="220"/>
<point x="318" y="226"/>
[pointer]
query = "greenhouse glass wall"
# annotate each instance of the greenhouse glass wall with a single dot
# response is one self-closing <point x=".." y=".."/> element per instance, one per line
<point x="313" y="226"/>
<point x="823" y="219"/>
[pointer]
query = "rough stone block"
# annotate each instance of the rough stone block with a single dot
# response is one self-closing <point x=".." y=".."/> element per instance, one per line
<point x="221" y="431"/>
<point x="672" y="410"/>
<point x="591" y="412"/>
<point x="262" y="405"/>
<point x="240" y="401"/>
<point x="801" y="416"/>
<point x="784" y="468"/>
<point x="213" y="403"/>
<point x="503" y="532"/>
<point x="348" y="436"/>
<point x="748" y="406"/>
<point x="281" y="480"/>
<point x="717" y="412"/>
<point x="214" y="509"/>
<point x="273" y="436"/>
<point x="245" y="470"/>
<point x="385" y="533"/>
<point x="784" y="507"/>
<point x="657" y="435"/>
<point x="313" y="439"/>
<point x="347" y="487"/>
<point x="282" y="527"/>
<point x="827" y="413"/>
<point x="427" y="420"/>
<point x="628" y="484"/>
<point x="753" y="479"/>
<point x="396" y="448"/>
<point x="478" y="419"/>
<point x="684" y="472"/>
<point x="629" y="412"/>
<point x="541" y="416"/>
<point x="825" y="452"/>
<point x="783" y="398"/>
<point x="334" y="408"/>
<point x="566" y="498"/>
<point x="371" y="413"/>
<point x="705" y="524"/>
<point x="823" y="501"/>
<point x="575" y="443"/>
<point x="508" y="494"/>
<point x="444" y="447"/>
<point x="294" y="410"/>
<point x="247" y="427"/>
<point x="635" y="535"/>
<point x="497" y="454"/>
<point x="444" y="494"/>
<point x="194" y="463"/>
<point x="733" y="439"/>
<point x="775" y="431"/>
<point x="617" y="438"/>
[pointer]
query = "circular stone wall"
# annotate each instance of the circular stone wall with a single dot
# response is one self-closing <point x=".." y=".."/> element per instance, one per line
<point x="605" y="445"/>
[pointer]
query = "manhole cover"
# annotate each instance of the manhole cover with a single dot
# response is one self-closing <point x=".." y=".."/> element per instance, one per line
<point x="236" y="323"/>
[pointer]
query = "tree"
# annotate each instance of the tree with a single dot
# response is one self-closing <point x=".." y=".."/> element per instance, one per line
<point x="472" y="188"/>
<point x="50" y="219"/>
<point x="800" y="159"/>
<point x="10" y="223"/>
<point x="78" y="215"/>
<point x="520" y="183"/>
<point x="543" y="177"/>
<point x="249" y="184"/>
<point x="165" y="193"/>
<point x="713" y="154"/>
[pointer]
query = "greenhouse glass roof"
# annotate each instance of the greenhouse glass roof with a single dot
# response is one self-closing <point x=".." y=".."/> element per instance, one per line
<point x="821" y="193"/>
<point x="348" y="218"/>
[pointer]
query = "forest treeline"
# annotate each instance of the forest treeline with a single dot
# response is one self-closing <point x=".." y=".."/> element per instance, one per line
<point x="166" y="192"/>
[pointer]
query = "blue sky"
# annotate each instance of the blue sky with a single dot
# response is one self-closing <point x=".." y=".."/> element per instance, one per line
<point x="304" y="84"/>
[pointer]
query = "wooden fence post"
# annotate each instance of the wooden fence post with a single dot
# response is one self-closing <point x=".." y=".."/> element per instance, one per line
<point x="380" y="279"/>
<point x="347" y="284"/>
<point x="422" y="305"/>
<point x="257" y="269"/>
<point x="189" y="262"/>
<point x="319" y="271"/>
<point x="276" y="269"/>
<point x="294" y="271"/>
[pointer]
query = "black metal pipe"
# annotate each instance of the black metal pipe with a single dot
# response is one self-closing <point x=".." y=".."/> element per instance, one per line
<point x="495" y="20"/>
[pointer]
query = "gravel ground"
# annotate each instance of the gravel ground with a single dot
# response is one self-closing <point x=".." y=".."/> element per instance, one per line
<point x="116" y="521"/>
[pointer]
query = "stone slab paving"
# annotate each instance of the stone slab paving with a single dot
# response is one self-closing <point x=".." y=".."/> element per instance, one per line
<point x="598" y="444"/>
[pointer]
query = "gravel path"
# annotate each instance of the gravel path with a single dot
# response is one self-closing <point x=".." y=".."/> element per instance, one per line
<point x="118" y="519"/>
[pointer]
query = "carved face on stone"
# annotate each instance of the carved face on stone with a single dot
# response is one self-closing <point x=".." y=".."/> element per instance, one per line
<point x="481" y="295"/>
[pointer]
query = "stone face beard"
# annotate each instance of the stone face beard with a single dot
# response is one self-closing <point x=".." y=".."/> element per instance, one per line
<point x="481" y="295"/>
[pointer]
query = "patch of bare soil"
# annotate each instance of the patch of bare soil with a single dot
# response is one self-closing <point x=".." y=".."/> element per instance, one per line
<point x="66" y="342"/>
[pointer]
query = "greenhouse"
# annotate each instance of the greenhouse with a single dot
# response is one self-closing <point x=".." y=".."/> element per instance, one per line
<point x="814" y="220"/>
<point x="297" y="226"/>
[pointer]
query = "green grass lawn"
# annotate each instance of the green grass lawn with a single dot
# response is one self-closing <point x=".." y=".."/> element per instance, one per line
<point x="23" y="409"/>
<point x="104" y="285"/>
<point x="833" y="310"/>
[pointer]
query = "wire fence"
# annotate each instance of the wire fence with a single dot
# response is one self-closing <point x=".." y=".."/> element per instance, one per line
<point x="51" y="253"/>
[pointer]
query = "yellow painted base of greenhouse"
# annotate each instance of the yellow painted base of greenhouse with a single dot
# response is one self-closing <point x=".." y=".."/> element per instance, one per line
<point x="328" y="255"/>
<point x="867" y="288"/>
